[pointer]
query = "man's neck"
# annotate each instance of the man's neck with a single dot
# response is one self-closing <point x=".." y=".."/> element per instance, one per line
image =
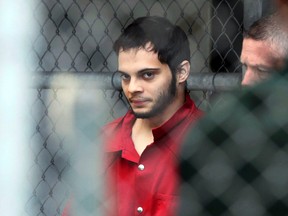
<point x="165" y="115"/>
<point x="142" y="128"/>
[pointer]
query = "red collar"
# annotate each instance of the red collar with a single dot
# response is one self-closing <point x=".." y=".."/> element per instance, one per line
<point x="119" y="131"/>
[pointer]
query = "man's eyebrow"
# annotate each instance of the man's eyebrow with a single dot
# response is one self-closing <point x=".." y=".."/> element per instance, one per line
<point x="261" y="66"/>
<point x="141" y="71"/>
<point x="122" y="72"/>
<point x="265" y="68"/>
<point x="256" y="65"/>
<point x="148" y="69"/>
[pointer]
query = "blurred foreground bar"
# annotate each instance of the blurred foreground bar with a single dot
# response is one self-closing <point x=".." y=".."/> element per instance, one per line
<point x="111" y="80"/>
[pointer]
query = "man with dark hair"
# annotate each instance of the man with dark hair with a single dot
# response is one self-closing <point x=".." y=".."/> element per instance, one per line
<point x="143" y="146"/>
<point x="264" y="48"/>
<point x="141" y="149"/>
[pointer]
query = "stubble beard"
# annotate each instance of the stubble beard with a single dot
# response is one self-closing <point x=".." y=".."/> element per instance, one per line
<point x="163" y="100"/>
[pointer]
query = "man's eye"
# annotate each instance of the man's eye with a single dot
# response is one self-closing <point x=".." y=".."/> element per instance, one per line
<point x="125" y="77"/>
<point x="263" y="70"/>
<point x="148" y="75"/>
<point x="263" y="73"/>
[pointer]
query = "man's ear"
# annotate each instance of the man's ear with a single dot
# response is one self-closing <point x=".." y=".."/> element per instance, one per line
<point x="183" y="71"/>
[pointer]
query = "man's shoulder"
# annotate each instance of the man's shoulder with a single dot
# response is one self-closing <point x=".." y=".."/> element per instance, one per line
<point x="117" y="123"/>
<point x="111" y="126"/>
<point x="110" y="132"/>
<point x="196" y="112"/>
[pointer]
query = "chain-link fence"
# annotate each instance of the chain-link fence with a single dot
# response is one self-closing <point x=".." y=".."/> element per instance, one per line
<point x="75" y="38"/>
<point x="234" y="162"/>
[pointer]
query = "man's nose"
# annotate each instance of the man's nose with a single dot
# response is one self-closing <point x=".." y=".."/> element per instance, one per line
<point x="249" y="77"/>
<point x="135" y="85"/>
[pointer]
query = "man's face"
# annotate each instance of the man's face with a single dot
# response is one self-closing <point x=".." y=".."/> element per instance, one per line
<point x="147" y="83"/>
<point x="259" y="59"/>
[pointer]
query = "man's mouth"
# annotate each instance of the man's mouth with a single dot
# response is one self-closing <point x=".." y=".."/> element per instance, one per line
<point x="138" y="101"/>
